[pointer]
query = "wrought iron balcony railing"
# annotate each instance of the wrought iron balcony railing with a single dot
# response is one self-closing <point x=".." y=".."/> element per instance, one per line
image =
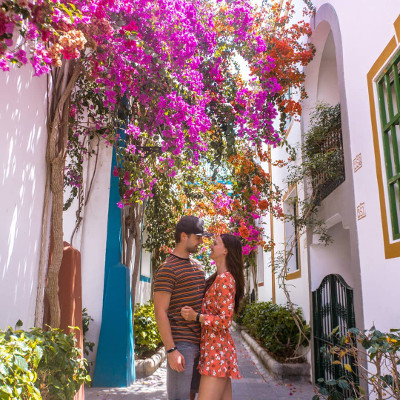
<point x="331" y="172"/>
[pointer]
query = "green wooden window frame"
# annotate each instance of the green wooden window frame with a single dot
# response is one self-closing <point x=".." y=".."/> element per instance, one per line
<point x="389" y="108"/>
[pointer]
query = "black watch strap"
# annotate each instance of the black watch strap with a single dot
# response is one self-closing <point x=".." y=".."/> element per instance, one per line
<point x="172" y="349"/>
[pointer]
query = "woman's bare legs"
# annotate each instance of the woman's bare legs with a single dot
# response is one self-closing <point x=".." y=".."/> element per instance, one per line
<point x="227" y="395"/>
<point x="212" y="388"/>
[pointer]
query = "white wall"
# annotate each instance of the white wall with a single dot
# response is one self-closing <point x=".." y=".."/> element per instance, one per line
<point x="143" y="292"/>
<point x="23" y="139"/>
<point x="334" y="258"/>
<point x="366" y="28"/>
<point x="299" y="287"/>
<point x="143" y="288"/>
<point x="361" y="45"/>
<point x="91" y="239"/>
<point x="326" y="79"/>
<point x="328" y="90"/>
<point x="93" y="242"/>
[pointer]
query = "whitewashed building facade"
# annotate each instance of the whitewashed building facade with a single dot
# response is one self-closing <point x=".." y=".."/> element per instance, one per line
<point x="357" y="64"/>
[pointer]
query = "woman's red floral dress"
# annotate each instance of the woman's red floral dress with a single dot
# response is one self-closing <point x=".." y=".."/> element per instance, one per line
<point x="217" y="349"/>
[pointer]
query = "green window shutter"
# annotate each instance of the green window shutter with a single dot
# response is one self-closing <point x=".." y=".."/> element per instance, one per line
<point x="389" y="108"/>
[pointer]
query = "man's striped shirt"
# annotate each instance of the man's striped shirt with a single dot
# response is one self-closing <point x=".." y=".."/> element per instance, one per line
<point x="184" y="279"/>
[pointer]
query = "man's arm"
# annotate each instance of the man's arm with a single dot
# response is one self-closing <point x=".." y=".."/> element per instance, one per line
<point x="161" y="303"/>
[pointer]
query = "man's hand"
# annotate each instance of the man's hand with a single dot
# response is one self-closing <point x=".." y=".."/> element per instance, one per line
<point x="176" y="361"/>
<point x="188" y="313"/>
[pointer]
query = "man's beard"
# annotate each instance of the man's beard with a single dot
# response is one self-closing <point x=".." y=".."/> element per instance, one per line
<point x="192" y="249"/>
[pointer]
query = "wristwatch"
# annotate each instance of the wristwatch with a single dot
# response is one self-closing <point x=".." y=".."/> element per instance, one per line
<point x="172" y="349"/>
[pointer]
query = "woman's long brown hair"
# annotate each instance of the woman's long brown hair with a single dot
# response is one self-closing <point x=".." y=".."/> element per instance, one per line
<point x="234" y="262"/>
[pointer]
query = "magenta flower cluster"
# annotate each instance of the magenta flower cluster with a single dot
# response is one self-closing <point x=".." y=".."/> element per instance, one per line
<point x="153" y="53"/>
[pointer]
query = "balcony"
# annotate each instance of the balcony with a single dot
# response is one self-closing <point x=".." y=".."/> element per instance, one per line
<point x="329" y="172"/>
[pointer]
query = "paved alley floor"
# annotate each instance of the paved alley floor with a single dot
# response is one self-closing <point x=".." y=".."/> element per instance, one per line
<point x="256" y="383"/>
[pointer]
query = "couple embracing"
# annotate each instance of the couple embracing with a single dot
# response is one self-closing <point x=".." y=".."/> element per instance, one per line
<point x="194" y="315"/>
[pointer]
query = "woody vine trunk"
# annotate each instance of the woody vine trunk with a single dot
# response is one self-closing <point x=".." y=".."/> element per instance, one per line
<point x="63" y="80"/>
<point x="131" y="223"/>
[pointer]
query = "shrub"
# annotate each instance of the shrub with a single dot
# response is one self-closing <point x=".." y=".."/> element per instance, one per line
<point x="238" y="317"/>
<point x="87" y="345"/>
<point x="274" y="326"/>
<point x="371" y="348"/>
<point x="147" y="338"/>
<point x="19" y="361"/>
<point x="39" y="364"/>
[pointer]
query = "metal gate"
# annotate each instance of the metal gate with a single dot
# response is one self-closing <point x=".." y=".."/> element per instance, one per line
<point x="333" y="307"/>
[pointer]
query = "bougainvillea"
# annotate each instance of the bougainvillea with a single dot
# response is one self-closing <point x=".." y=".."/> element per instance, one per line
<point x="242" y="115"/>
<point x="164" y="57"/>
<point x="161" y="82"/>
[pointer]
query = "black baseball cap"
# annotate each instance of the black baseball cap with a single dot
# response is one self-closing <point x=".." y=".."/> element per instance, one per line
<point x="191" y="224"/>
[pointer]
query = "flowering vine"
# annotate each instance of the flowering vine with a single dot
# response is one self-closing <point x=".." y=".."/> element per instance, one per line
<point x="160" y="82"/>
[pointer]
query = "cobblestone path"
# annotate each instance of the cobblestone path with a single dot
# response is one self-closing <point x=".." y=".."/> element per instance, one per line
<point x="256" y="383"/>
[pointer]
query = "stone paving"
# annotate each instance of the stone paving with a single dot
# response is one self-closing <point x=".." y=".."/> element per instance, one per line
<point x="256" y="383"/>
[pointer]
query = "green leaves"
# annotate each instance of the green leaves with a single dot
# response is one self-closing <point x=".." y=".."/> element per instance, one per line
<point x="21" y="363"/>
<point x="274" y="326"/>
<point x="38" y="361"/>
<point x="19" y="354"/>
<point x="380" y="350"/>
<point x="147" y="338"/>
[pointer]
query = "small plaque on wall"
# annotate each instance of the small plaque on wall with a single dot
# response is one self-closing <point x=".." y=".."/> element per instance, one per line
<point x="361" y="213"/>
<point x="357" y="162"/>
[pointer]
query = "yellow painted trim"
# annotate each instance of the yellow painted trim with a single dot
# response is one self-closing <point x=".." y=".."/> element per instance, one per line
<point x="396" y="25"/>
<point x="392" y="250"/>
<point x="289" y="191"/>
<point x="295" y="274"/>
<point x="288" y="3"/>
<point x="289" y="128"/>
<point x="271" y="221"/>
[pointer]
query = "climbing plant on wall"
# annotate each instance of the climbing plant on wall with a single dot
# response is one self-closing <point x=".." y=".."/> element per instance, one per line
<point x="165" y="73"/>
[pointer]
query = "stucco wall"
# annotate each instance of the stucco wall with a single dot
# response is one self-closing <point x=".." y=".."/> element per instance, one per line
<point x="93" y="242"/>
<point x="362" y="46"/>
<point x="23" y="139"/>
<point x="351" y="35"/>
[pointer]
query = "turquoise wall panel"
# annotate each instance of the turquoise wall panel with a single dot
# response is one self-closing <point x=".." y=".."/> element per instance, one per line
<point x="115" y="362"/>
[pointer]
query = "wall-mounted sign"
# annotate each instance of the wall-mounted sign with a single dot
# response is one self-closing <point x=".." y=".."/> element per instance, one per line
<point x="357" y="162"/>
<point x="361" y="213"/>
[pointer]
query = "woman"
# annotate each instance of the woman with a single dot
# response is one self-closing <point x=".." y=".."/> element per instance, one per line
<point x="218" y="361"/>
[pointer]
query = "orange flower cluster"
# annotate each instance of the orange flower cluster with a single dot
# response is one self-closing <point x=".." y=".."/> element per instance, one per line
<point x="257" y="180"/>
<point x="280" y="163"/>
<point x="165" y="249"/>
<point x="244" y="232"/>
<point x="69" y="45"/>
<point x="242" y="163"/>
<point x="289" y="51"/>
<point x="263" y="204"/>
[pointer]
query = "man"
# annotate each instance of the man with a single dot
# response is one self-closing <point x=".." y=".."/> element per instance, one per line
<point x="180" y="282"/>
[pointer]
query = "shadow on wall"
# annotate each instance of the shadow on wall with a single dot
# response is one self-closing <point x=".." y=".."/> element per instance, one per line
<point x="22" y="178"/>
<point x="335" y="258"/>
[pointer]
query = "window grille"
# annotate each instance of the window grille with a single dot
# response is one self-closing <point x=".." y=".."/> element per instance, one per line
<point x="326" y="181"/>
<point x="389" y="108"/>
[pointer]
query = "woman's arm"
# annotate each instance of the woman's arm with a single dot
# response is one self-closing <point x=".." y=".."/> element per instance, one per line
<point x="225" y="302"/>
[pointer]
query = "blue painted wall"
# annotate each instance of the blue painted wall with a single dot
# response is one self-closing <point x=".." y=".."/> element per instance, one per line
<point x="115" y="362"/>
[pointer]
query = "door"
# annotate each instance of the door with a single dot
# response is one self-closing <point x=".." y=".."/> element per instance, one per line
<point x="333" y="307"/>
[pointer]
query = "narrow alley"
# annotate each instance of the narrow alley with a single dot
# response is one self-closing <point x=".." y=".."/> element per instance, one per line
<point x="256" y="383"/>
